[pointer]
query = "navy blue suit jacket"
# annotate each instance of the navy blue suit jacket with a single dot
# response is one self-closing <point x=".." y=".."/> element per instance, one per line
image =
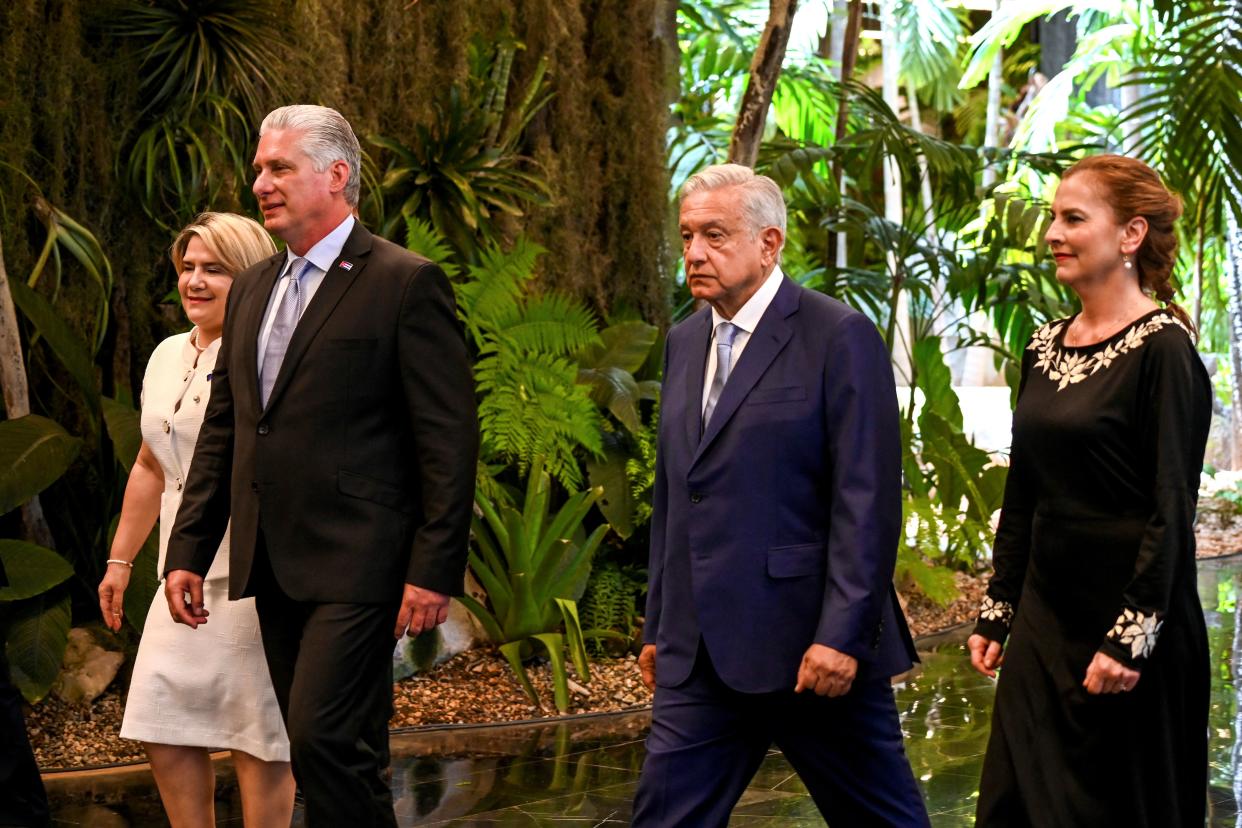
<point x="778" y="526"/>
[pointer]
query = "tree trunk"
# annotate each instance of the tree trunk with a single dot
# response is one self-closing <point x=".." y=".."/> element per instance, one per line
<point x="991" y="135"/>
<point x="765" y="69"/>
<point x="1233" y="277"/>
<point x="17" y="395"/>
<point x="837" y="251"/>
<point x="899" y="340"/>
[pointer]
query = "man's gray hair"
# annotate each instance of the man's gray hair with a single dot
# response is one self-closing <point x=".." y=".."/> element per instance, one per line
<point x="327" y="138"/>
<point x="762" y="201"/>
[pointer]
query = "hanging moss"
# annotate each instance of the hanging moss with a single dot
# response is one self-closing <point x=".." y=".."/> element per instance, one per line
<point x="69" y="101"/>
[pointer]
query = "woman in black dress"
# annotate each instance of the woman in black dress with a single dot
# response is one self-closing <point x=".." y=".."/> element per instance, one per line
<point x="1101" y="711"/>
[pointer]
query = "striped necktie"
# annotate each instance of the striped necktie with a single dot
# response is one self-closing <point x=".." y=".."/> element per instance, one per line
<point x="288" y="312"/>
<point x="725" y="332"/>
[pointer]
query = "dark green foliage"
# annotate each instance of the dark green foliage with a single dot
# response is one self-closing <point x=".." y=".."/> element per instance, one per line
<point x="610" y="604"/>
<point x="465" y="171"/>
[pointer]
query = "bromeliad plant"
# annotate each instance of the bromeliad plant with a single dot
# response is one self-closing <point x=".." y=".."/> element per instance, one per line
<point x="534" y="570"/>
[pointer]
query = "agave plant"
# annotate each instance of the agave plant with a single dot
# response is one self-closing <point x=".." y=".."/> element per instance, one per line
<point x="466" y="168"/>
<point x="534" y="569"/>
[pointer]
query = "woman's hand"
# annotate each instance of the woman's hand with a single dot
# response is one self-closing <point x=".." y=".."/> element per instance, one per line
<point x="1106" y="674"/>
<point x="112" y="595"/>
<point x="985" y="654"/>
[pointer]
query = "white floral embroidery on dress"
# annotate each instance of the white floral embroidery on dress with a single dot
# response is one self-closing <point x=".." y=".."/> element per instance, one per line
<point x="1067" y="368"/>
<point x="993" y="610"/>
<point x="1137" y="630"/>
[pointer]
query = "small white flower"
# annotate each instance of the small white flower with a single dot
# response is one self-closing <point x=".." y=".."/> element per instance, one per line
<point x="993" y="610"/>
<point x="1068" y="369"/>
<point x="1137" y="630"/>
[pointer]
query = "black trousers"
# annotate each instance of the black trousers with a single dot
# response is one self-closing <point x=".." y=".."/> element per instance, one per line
<point x="331" y="667"/>
<point x="707" y="740"/>
<point x="23" y="802"/>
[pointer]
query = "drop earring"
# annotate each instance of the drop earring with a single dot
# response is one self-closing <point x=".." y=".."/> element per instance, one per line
<point x="1129" y="264"/>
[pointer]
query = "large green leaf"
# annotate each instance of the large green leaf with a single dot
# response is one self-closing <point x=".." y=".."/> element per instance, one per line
<point x="34" y="453"/>
<point x="124" y="427"/>
<point x="31" y="569"/>
<point x="614" y="388"/>
<point x="68" y="346"/>
<point x="35" y="643"/>
<point x="616" y="499"/>
<point x="624" y="345"/>
<point x="934" y="379"/>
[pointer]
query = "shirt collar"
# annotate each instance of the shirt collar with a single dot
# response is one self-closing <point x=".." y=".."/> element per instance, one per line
<point x="748" y="316"/>
<point x="328" y="249"/>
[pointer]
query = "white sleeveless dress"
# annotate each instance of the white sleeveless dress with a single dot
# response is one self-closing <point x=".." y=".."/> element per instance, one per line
<point x="207" y="687"/>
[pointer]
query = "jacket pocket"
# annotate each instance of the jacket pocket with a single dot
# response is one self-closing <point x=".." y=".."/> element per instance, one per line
<point x="797" y="561"/>
<point x="377" y="491"/>
<point x="790" y="393"/>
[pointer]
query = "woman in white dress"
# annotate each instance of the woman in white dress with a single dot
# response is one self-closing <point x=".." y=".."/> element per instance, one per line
<point x="193" y="691"/>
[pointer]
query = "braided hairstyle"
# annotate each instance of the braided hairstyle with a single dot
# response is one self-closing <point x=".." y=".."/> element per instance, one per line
<point x="1134" y="189"/>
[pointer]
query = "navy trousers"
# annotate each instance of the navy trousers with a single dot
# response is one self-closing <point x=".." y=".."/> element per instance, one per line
<point x="708" y="740"/>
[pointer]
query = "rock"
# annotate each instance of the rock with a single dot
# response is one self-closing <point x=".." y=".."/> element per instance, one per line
<point x="420" y="653"/>
<point x="1219" y="453"/>
<point x="87" y="670"/>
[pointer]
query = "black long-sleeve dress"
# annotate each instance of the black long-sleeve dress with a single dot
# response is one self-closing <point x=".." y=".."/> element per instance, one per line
<point x="1095" y="552"/>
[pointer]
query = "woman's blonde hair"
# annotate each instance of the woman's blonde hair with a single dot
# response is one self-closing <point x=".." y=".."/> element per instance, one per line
<point x="236" y="241"/>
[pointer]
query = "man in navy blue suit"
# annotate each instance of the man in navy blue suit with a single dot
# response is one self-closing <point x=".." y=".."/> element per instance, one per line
<point x="771" y="616"/>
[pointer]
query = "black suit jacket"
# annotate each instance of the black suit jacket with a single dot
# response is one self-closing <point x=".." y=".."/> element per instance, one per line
<point x="360" y="471"/>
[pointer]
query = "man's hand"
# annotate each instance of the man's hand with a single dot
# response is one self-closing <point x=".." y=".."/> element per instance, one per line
<point x="421" y="610"/>
<point x="183" y="590"/>
<point x="646" y="665"/>
<point x="985" y="654"/>
<point x="1106" y="674"/>
<point x="826" y="672"/>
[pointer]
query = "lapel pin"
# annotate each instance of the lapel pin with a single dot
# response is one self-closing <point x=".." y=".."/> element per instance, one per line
<point x="346" y="265"/>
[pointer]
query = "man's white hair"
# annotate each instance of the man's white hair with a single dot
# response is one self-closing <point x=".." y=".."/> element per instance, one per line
<point x="762" y="202"/>
<point x="326" y="137"/>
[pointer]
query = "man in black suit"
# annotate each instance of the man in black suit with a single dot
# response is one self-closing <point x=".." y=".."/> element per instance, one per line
<point x="342" y="439"/>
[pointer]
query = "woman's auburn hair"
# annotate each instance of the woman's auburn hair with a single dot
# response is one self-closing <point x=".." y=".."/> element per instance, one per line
<point x="1135" y="190"/>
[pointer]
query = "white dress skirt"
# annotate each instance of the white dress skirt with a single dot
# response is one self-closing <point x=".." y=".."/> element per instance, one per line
<point x="207" y="687"/>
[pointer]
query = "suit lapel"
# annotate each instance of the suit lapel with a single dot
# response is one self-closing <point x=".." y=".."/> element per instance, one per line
<point x="253" y="312"/>
<point x="332" y="289"/>
<point x="700" y="341"/>
<point x="770" y="337"/>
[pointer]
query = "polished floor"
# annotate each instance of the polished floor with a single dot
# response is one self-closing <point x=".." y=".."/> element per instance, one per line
<point x="583" y="773"/>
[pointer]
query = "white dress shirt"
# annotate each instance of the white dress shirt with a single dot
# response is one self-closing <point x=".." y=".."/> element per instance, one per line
<point x="326" y="251"/>
<point x="746" y="319"/>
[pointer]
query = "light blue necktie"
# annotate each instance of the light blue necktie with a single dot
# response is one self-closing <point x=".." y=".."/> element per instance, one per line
<point x="725" y="332"/>
<point x="288" y="312"/>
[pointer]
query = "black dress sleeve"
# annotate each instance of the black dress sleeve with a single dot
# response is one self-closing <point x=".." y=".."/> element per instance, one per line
<point x="1012" y="548"/>
<point x="1174" y="414"/>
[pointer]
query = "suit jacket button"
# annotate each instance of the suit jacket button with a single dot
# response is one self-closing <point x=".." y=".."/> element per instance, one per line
<point x="254" y="487"/>
<point x="695" y="497"/>
<point x="264" y="428"/>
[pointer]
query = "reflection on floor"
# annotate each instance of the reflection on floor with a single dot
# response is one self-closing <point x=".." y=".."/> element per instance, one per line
<point x="583" y="773"/>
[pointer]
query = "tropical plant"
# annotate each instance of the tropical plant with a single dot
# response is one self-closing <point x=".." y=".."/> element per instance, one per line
<point x="609" y="606"/>
<point x="534" y="567"/>
<point x="609" y="370"/>
<point x="203" y="69"/>
<point x="34" y="607"/>
<point x="531" y="405"/>
<point x="466" y="168"/>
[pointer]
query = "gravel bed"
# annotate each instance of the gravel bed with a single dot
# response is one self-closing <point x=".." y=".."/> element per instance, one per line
<point x="478" y="687"/>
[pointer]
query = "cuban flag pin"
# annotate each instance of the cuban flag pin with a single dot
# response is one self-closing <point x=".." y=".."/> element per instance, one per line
<point x="346" y="265"/>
